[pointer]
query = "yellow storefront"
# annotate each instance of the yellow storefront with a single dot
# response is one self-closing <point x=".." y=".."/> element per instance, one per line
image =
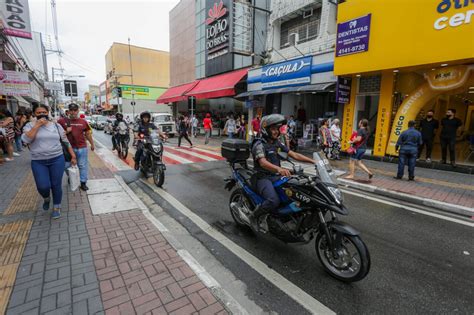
<point x="419" y="55"/>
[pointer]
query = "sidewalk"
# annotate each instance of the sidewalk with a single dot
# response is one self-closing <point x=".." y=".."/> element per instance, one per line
<point x="114" y="263"/>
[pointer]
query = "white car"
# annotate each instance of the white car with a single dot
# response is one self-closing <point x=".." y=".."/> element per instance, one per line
<point x="165" y="123"/>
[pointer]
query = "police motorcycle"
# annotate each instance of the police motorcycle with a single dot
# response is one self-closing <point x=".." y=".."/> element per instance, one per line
<point x="309" y="210"/>
<point x="151" y="162"/>
<point x="122" y="136"/>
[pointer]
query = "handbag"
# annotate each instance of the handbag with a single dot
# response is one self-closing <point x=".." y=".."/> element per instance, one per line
<point x="67" y="156"/>
<point x="351" y="150"/>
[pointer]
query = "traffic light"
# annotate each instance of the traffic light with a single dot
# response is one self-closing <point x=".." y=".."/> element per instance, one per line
<point x="119" y="91"/>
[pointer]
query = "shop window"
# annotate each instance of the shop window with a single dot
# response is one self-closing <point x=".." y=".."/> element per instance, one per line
<point x="306" y="27"/>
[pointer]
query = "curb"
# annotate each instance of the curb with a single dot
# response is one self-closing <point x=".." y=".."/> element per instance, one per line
<point x="438" y="205"/>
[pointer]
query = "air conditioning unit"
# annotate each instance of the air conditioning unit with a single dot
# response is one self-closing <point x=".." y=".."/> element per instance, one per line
<point x="293" y="39"/>
<point x="307" y="13"/>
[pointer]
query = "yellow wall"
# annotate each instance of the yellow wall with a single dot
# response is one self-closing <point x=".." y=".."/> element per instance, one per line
<point x="150" y="67"/>
<point x="403" y="34"/>
<point x="384" y="113"/>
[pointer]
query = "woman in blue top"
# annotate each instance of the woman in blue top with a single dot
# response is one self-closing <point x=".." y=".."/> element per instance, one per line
<point x="47" y="159"/>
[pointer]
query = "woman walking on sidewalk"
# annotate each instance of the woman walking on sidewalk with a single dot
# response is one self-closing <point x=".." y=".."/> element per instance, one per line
<point x="47" y="157"/>
<point x="360" y="145"/>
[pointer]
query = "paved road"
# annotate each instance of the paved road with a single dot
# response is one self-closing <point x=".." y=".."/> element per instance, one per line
<point x="420" y="264"/>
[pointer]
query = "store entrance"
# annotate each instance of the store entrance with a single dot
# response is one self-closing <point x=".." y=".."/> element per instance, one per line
<point x="366" y="108"/>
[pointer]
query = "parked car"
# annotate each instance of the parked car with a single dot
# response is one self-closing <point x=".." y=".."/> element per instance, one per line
<point x="108" y="128"/>
<point x="89" y="120"/>
<point x="93" y="120"/>
<point x="99" y="122"/>
<point x="165" y="123"/>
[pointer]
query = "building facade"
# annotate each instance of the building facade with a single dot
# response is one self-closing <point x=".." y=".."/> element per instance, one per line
<point x="139" y="68"/>
<point x="402" y="67"/>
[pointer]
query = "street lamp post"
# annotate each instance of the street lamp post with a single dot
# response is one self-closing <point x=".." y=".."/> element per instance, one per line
<point x="131" y="75"/>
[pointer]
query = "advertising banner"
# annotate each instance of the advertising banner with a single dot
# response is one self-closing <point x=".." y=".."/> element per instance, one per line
<point x="52" y="86"/>
<point x="15" y="17"/>
<point x="141" y="92"/>
<point x="353" y="36"/>
<point x="343" y="90"/>
<point x="14" y="83"/>
<point x="288" y="73"/>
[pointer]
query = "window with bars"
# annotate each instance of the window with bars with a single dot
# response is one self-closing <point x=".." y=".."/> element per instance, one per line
<point x="306" y="28"/>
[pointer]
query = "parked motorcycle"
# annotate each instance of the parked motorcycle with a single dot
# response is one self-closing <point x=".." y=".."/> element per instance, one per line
<point x="151" y="162"/>
<point x="122" y="138"/>
<point x="309" y="209"/>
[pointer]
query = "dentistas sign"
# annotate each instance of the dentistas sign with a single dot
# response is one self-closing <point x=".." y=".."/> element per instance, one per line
<point x="15" y="15"/>
<point x="353" y="36"/>
<point x="288" y="73"/>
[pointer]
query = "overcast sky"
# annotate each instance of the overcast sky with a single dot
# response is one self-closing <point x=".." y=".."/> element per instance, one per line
<point x="88" y="28"/>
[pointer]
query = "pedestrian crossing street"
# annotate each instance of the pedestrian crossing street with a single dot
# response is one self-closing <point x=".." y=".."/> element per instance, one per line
<point x="185" y="155"/>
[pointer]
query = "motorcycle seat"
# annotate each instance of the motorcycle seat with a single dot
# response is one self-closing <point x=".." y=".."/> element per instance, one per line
<point x="247" y="176"/>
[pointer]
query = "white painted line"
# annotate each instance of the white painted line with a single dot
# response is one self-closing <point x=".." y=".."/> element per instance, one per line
<point x="176" y="157"/>
<point x="110" y="158"/>
<point x="289" y="288"/>
<point x="207" y="151"/>
<point x="201" y="156"/>
<point x="398" y="205"/>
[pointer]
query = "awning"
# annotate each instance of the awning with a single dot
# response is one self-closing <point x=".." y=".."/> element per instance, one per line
<point x="21" y="101"/>
<point x="176" y="93"/>
<point x="319" y="87"/>
<point x="218" y="86"/>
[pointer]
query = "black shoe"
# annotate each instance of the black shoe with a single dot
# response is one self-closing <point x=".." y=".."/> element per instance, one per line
<point x="137" y="166"/>
<point x="84" y="187"/>
<point x="397" y="177"/>
<point x="411" y="178"/>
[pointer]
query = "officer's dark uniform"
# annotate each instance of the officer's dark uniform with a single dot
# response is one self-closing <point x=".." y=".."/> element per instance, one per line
<point x="264" y="181"/>
<point x="144" y="129"/>
<point x="408" y="143"/>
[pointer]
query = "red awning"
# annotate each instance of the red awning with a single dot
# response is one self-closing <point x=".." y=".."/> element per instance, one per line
<point x="176" y="93"/>
<point x="217" y="86"/>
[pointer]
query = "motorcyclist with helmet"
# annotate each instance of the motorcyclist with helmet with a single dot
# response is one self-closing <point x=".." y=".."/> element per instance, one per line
<point x="267" y="164"/>
<point x="118" y="119"/>
<point x="144" y="127"/>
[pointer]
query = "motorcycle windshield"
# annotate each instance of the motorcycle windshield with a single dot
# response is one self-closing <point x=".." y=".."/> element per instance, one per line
<point x="154" y="138"/>
<point x="323" y="168"/>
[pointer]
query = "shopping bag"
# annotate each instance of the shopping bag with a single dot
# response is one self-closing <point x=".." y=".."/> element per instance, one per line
<point x="74" y="180"/>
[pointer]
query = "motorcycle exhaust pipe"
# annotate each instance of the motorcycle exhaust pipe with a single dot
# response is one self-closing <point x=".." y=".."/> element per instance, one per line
<point x="236" y="208"/>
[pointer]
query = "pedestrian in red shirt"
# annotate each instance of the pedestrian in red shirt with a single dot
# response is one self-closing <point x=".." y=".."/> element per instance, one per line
<point x="77" y="131"/>
<point x="207" y="122"/>
<point x="256" y="126"/>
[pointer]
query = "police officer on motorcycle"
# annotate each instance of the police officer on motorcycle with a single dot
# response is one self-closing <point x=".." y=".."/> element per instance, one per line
<point x="267" y="164"/>
<point x="115" y="125"/>
<point x="144" y="127"/>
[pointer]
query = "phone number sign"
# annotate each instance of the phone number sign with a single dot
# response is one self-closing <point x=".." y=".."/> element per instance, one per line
<point x="353" y="36"/>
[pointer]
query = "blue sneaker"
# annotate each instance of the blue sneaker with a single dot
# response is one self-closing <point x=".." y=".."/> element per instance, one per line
<point x="46" y="203"/>
<point x="56" y="214"/>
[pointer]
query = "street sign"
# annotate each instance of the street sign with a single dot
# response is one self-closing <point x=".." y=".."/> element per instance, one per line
<point x="133" y="103"/>
<point x="52" y="86"/>
<point x="70" y="88"/>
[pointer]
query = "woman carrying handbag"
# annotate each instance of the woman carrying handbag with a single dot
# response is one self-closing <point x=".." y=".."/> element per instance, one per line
<point x="358" y="148"/>
<point x="48" y="145"/>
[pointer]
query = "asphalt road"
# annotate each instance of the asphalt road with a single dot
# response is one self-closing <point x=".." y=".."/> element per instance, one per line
<point x="420" y="264"/>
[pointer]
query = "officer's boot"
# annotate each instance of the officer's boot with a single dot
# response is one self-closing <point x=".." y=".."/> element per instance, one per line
<point x="254" y="216"/>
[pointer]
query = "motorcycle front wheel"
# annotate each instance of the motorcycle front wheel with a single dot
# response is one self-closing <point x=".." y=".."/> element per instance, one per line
<point x="158" y="176"/>
<point x="123" y="152"/>
<point x="352" y="261"/>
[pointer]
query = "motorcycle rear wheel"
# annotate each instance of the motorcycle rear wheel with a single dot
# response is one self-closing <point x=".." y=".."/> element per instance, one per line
<point x="354" y="265"/>
<point x="239" y="197"/>
<point x="158" y="177"/>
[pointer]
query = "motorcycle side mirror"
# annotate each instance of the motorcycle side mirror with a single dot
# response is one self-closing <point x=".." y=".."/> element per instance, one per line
<point x="283" y="155"/>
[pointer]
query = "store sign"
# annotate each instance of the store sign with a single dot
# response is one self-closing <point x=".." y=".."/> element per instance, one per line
<point x="52" y="86"/>
<point x="217" y="31"/>
<point x="218" y="39"/>
<point x="135" y="90"/>
<point x="353" y="36"/>
<point x="14" y="83"/>
<point x="15" y="16"/>
<point x="447" y="7"/>
<point x="343" y="90"/>
<point x="288" y="73"/>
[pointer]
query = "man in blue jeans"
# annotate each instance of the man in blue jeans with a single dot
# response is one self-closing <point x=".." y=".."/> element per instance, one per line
<point x="77" y="131"/>
<point x="407" y="146"/>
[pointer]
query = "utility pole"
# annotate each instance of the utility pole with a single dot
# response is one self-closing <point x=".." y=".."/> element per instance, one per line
<point x="131" y="74"/>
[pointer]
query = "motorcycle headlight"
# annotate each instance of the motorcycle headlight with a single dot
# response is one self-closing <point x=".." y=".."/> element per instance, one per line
<point x="337" y="194"/>
<point x="157" y="148"/>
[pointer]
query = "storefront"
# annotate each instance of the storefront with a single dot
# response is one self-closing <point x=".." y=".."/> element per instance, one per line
<point x="303" y="87"/>
<point x="403" y="63"/>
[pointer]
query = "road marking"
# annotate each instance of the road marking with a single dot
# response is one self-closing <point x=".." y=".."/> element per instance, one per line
<point x="289" y="288"/>
<point x="398" y="205"/>
<point x="193" y="153"/>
